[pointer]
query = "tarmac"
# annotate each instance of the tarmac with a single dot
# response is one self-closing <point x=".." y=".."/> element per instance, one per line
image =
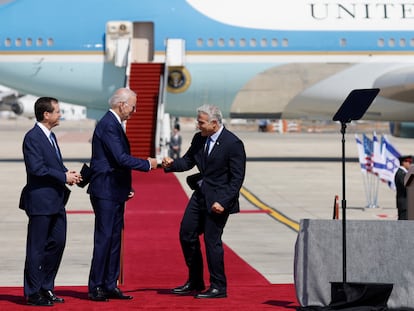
<point x="296" y="175"/>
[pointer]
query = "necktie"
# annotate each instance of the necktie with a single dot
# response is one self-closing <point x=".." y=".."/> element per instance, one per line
<point x="52" y="139"/>
<point x="206" y="150"/>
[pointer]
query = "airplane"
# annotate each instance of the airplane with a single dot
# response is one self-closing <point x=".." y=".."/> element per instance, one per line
<point x="255" y="59"/>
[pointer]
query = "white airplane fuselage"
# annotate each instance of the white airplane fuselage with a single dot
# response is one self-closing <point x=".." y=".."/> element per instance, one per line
<point x="252" y="58"/>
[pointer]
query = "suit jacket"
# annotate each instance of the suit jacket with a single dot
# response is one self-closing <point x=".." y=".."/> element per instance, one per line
<point x="222" y="172"/>
<point x="111" y="162"/>
<point x="45" y="192"/>
<point x="401" y="190"/>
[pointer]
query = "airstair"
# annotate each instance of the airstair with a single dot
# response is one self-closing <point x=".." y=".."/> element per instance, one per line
<point x="130" y="45"/>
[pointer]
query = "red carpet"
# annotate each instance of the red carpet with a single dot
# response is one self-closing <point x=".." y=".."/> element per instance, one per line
<point x="153" y="262"/>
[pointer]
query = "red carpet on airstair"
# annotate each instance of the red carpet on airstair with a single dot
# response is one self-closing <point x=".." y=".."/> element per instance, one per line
<point x="153" y="263"/>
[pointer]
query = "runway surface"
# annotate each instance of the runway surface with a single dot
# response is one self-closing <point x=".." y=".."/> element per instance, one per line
<point x="289" y="177"/>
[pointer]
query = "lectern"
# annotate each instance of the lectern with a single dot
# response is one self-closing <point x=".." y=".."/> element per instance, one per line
<point x="355" y="294"/>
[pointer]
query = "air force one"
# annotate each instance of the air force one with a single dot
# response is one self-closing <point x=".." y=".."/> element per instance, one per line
<point x="255" y="59"/>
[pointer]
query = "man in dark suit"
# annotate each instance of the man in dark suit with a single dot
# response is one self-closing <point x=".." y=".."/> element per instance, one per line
<point x="109" y="188"/>
<point x="44" y="198"/>
<point x="405" y="163"/>
<point x="221" y="160"/>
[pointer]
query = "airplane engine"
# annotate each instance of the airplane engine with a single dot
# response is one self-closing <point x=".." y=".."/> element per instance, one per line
<point x="17" y="108"/>
<point x="402" y="129"/>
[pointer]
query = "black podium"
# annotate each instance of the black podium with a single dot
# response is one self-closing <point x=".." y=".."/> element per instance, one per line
<point x="346" y="295"/>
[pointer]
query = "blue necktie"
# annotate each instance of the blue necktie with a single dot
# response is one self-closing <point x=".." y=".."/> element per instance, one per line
<point x="207" y="151"/>
<point x="52" y="139"/>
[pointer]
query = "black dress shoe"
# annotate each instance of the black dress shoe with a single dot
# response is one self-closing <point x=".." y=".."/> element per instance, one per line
<point x="188" y="288"/>
<point x="38" y="300"/>
<point x="48" y="294"/>
<point x="116" y="293"/>
<point x="212" y="293"/>
<point x="97" y="294"/>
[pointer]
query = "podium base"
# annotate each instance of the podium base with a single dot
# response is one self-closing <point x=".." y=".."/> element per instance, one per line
<point x="350" y="295"/>
<point x="356" y="297"/>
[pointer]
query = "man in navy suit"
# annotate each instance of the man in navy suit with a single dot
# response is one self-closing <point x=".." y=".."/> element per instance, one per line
<point x="221" y="159"/>
<point x="109" y="188"/>
<point x="44" y="198"/>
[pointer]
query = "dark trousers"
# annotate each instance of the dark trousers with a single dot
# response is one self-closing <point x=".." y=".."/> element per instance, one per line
<point x="105" y="266"/>
<point x="46" y="239"/>
<point x="198" y="220"/>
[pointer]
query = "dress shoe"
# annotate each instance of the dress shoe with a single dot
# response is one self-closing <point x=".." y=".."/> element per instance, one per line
<point x="212" y="293"/>
<point x="116" y="293"/>
<point x="38" y="300"/>
<point x="188" y="288"/>
<point x="50" y="295"/>
<point x="97" y="295"/>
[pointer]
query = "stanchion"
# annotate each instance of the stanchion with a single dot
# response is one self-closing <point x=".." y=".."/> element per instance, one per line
<point x="336" y="208"/>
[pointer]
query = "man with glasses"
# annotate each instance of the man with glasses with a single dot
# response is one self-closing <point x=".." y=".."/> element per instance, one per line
<point x="110" y="187"/>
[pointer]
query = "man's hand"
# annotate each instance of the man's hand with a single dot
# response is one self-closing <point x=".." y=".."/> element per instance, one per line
<point x="72" y="177"/>
<point x="217" y="208"/>
<point x="167" y="162"/>
<point x="153" y="162"/>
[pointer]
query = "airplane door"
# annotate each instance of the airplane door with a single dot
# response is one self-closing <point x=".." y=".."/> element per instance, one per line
<point x="142" y="45"/>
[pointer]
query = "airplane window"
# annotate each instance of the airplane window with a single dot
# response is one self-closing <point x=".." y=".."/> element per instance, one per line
<point x="402" y="43"/>
<point x="253" y="42"/>
<point x="199" y="42"/>
<point x="50" y="42"/>
<point x="210" y="42"/>
<point x="275" y="43"/>
<point x="391" y="42"/>
<point x="381" y="42"/>
<point x="220" y="42"/>
<point x="263" y="42"/>
<point x="29" y="42"/>
<point x="285" y="42"/>
<point x="342" y="42"/>
<point x="232" y="42"/>
<point x="412" y="42"/>
<point x="7" y="42"/>
<point x="242" y="42"/>
<point x="18" y="42"/>
<point x="39" y="42"/>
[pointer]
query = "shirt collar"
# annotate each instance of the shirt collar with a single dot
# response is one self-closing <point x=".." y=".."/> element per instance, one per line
<point x="44" y="129"/>
<point x="216" y="135"/>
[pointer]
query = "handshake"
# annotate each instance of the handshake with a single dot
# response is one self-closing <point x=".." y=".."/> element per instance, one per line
<point x="167" y="162"/>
